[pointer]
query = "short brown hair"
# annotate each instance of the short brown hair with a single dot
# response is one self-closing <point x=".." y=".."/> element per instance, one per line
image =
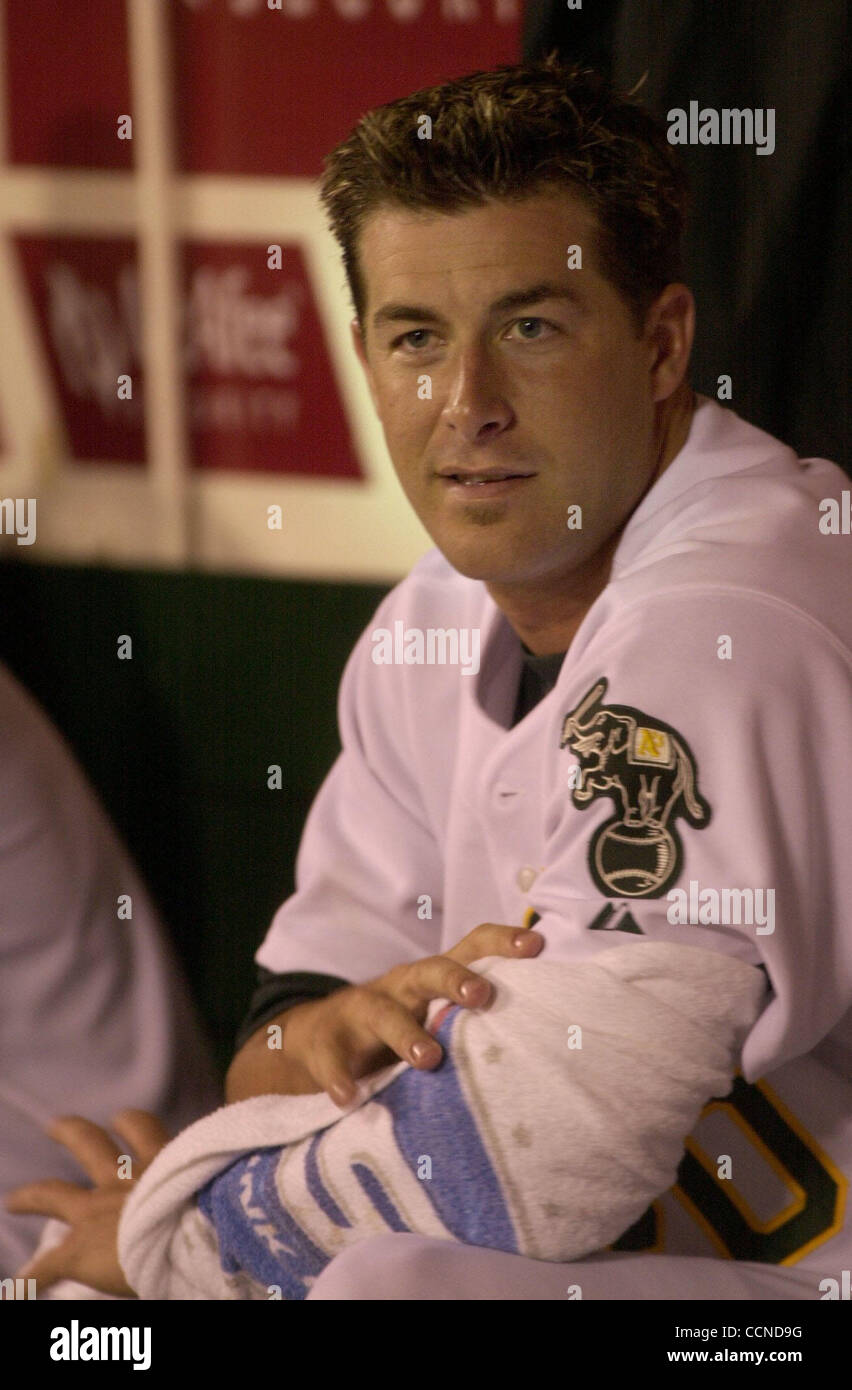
<point x="504" y="134"/>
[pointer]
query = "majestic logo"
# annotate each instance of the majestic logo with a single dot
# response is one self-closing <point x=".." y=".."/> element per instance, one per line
<point x="649" y="772"/>
<point x="612" y="919"/>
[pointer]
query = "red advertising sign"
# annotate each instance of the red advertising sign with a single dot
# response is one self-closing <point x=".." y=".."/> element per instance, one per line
<point x="67" y="82"/>
<point x="260" y="391"/>
<point x="260" y="86"/>
<point x="292" y="80"/>
<point x="84" y="292"/>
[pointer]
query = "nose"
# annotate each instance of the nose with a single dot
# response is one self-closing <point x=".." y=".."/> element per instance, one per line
<point x="476" y="405"/>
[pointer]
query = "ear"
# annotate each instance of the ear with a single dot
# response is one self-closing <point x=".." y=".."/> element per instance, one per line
<point x="361" y="353"/>
<point x="669" y="330"/>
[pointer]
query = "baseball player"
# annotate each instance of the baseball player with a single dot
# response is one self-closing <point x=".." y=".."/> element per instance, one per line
<point x="614" y="707"/>
<point x="94" y="1012"/>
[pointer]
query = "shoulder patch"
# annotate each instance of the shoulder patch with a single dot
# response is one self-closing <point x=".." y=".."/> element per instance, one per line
<point x="648" y="770"/>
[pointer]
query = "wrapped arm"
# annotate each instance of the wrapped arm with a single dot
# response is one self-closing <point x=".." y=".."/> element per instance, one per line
<point x="556" y="1116"/>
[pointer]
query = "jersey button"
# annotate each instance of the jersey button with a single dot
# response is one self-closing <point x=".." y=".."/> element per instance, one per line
<point x="526" y="878"/>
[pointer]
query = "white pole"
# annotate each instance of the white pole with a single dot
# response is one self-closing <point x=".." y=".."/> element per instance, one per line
<point x="160" y="281"/>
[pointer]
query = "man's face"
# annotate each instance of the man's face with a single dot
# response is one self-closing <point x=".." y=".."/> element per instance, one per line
<point x="538" y="380"/>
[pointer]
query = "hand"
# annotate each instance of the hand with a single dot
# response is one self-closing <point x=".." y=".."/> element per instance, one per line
<point x="89" y="1253"/>
<point x="329" y="1043"/>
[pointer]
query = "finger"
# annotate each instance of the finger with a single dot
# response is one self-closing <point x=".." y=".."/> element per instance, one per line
<point x="53" y="1197"/>
<point x="329" y="1066"/>
<point x="388" y="1022"/>
<point x="438" y="977"/>
<point x="495" y="939"/>
<point x="144" y="1132"/>
<point x="51" y="1266"/>
<point x="94" y="1149"/>
<point x="375" y="1032"/>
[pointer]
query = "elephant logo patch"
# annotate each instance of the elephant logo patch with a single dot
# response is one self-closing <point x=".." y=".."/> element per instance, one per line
<point x="648" y="771"/>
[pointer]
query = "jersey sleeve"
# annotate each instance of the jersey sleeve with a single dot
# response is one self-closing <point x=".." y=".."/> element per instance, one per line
<point x="275" y="993"/>
<point x="698" y="793"/>
<point x="369" y="859"/>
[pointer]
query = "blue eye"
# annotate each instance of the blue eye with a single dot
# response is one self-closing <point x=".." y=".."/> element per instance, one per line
<point x="413" y="333"/>
<point x="536" y="322"/>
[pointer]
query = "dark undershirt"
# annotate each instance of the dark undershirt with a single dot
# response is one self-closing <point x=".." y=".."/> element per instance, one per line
<point x="275" y="993"/>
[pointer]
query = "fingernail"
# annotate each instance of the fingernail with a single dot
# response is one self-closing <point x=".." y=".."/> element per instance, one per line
<point x="526" y="937"/>
<point x="342" y="1095"/>
<point x="424" y="1052"/>
<point x="475" y="991"/>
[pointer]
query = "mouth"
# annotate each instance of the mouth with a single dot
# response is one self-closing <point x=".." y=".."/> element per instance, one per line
<point x="485" y="482"/>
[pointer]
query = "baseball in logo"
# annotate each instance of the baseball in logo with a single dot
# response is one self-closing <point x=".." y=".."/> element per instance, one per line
<point x="648" y="771"/>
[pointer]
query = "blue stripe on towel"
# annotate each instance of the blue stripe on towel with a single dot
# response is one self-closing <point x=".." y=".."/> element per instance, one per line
<point x="431" y="1118"/>
<point x="255" y="1233"/>
<point x="377" y="1195"/>
<point x="318" y="1189"/>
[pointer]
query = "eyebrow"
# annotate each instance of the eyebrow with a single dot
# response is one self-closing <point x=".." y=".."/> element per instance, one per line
<point x="515" y="299"/>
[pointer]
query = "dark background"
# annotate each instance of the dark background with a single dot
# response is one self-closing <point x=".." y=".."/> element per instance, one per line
<point x="767" y="247"/>
<point x="228" y="676"/>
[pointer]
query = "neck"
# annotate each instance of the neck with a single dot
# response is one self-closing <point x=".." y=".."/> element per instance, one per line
<point x="547" y="614"/>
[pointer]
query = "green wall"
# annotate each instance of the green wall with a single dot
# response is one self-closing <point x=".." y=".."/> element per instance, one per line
<point x="228" y="676"/>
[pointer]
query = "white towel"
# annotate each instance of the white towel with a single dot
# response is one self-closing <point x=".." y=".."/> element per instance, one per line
<point x="556" y="1116"/>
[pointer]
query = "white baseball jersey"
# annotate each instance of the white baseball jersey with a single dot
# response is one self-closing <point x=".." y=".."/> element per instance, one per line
<point x="685" y="781"/>
<point x="94" y="1014"/>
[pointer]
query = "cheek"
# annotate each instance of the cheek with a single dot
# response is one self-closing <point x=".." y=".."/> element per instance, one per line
<point x="406" y="418"/>
<point x="579" y="383"/>
<point x="609" y="397"/>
